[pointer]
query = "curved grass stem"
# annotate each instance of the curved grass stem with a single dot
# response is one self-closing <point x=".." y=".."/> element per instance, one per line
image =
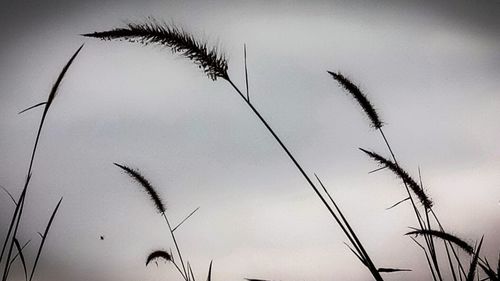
<point x="364" y="254"/>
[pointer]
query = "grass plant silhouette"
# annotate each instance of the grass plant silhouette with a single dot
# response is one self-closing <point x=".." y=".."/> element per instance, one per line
<point x="154" y="32"/>
<point x="184" y="268"/>
<point x="424" y="221"/>
<point x="11" y="239"/>
<point x="215" y="66"/>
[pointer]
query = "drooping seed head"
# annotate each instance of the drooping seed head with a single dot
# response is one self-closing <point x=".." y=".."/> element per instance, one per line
<point x="404" y="176"/>
<point x="361" y="98"/>
<point x="444" y="236"/>
<point x="148" y="187"/>
<point x="159" y="254"/>
<point x="209" y="59"/>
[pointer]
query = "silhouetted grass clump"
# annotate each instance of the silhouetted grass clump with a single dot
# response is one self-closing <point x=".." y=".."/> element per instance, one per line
<point x="11" y="240"/>
<point x="215" y="66"/>
<point x="424" y="220"/>
<point x="151" y="32"/>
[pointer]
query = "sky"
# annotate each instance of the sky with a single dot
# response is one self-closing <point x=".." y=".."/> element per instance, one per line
<point x="430" y="68"/>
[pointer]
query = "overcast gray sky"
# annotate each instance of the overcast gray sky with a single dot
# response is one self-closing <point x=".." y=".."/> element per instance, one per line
<point x="431" y="69"/>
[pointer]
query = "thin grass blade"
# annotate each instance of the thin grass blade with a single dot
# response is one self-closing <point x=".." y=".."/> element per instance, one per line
<point x="17" y="255"/>
<point x="185" y="219"/>
<point x="376" y="170"/>
<point x="350" y="233"/>
<point x="489" y="272"/>
<point x="10" y="195"/>
<point x="17" y="217"/>
<point x="356" y="254"/>
<point x="13" y="227"/>
<point x="399" y="202"/>
<point x="473" y="265"/>
<point x="209" y="276"/>
<point x="190" y="272"/>
<point x="390" y="270"/>
<point x="47" y="228"/>
<point x="426" y="257"/>
<point x="31" y="107"/>
<point x="246" y="71"/>
<point x="21" y="256"/>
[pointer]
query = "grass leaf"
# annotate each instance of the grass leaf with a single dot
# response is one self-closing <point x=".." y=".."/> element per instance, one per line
<point x="473" y="265"/>
<point x="47" y="228"/>
<point x="21" y="256"/>
<point x="31" y="107"/>
<point x="209" y="276"/>
<point x="185" y="219"/>
<point x="390" y="270"/>
<point x="10" y="195"/>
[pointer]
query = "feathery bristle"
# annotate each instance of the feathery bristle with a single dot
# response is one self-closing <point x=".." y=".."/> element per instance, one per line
<point x="136" y="175"/>
<point x="359" y="97"/>
<point x="403" y="175"/>
<point x="207" y="58"/>
<point x="160" y="254"/>
<point x="444" y="236"/>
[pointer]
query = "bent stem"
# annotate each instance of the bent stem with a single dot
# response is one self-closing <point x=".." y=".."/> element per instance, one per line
<point x="369" y="262"/>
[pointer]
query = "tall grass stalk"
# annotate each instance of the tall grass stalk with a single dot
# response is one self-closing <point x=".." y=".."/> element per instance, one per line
<point x="214" y="65"/>
<point x="17" y="216"/>
<point x="160" y="207"/>
<point x="368" y="108"/>
<point x="424" y="222"/>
